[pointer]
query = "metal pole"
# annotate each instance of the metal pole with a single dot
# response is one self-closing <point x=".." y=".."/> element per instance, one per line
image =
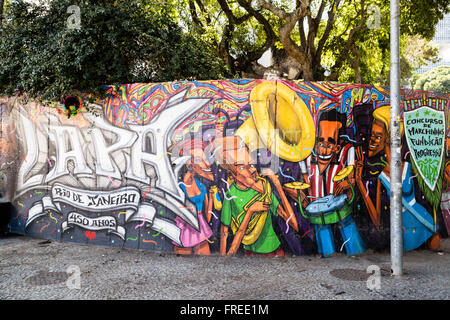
<point x="396" y="161"/>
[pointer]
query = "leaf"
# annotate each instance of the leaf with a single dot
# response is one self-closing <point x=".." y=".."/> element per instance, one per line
<point x="39" y="55"/>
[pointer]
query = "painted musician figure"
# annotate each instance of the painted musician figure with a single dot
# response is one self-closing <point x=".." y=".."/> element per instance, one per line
<point x="249" y="203"/>
<point x="329" y="198"/>
<point x="193" y="240"/>
<point x="417" y="224"/>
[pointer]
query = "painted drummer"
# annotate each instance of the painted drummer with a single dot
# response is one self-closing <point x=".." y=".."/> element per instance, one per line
<point x="329" y="196"/>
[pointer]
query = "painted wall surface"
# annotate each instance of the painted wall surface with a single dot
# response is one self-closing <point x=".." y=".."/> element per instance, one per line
<point x="230" y="167"/>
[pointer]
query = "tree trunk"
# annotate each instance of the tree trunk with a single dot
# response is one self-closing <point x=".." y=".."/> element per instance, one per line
<point x="355" y="63"/>
<point x="308" y="73"/>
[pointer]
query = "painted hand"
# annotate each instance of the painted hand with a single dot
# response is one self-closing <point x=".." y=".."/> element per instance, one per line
<point x="258" y="206"/>
<point x="359" y="163"/>
<point x="341" y="187"/>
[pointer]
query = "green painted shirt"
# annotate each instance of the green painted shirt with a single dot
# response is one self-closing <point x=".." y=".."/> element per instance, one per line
<point x="268" y="240"/>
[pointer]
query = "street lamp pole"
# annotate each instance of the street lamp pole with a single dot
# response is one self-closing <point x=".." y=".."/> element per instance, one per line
<point x="396" y="161"/>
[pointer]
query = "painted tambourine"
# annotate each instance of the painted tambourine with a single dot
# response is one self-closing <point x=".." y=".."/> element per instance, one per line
<point x="297" y="185"/>
<point x="344" y="173"/>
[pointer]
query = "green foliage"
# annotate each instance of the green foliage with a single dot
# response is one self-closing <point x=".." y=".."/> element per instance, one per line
<point x="418" y="23"/>
<point x="437" y="79"/>
<point x="420" y="17"/>
<point x="118" y="42"/>
<point x="234" y="29"/>
<point x="367" y="47"/>
<point x="416" y="52"/>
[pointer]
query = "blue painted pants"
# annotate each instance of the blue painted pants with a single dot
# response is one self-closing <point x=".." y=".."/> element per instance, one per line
<point x="350" y="235"/>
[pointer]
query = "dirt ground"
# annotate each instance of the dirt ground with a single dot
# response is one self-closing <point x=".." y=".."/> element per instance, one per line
<point x="35" y="269"/>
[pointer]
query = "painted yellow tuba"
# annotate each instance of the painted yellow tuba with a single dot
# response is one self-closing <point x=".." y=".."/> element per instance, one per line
<point x="280" y="122"/>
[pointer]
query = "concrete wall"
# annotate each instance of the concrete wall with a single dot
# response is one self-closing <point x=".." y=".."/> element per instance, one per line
<point x="230" y="167"/>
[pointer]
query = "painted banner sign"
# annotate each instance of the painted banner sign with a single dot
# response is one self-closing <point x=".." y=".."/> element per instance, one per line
<point x="126" y="199"/>
<point x="425" y="134"/>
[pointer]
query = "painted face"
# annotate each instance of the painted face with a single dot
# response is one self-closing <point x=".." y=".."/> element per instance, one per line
<point x="199" y="164"/>
<point x="378" y="138"/>
<point x="327" y="145"/>
<point x="244" y="172"/>
<point x="235" y="158"/>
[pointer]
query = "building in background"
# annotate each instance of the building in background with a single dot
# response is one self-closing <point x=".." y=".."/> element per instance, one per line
<point x="442" y="39"/>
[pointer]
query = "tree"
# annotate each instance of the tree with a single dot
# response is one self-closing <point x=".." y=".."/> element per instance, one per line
<point x="349" y="39"/>
<point x="437" y="79"/>
<point x="415" y="53"/>
<point x="43" y="55"/>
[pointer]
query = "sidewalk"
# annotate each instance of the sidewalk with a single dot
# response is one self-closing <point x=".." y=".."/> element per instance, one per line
<point x="36" y="269"/>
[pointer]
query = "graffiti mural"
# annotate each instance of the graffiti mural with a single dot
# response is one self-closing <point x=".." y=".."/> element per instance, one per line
<point x="251" y="167"/>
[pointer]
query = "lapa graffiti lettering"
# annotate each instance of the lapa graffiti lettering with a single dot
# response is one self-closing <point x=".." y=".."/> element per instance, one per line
<point x="73" y="145"/>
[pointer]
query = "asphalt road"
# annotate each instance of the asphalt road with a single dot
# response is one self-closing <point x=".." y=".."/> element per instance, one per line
<point x="32" y="269"/>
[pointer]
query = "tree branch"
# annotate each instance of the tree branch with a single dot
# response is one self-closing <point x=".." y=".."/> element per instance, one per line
<point x="360" y="26"/>
<point x="350" y="45"/>
<point x="194" y="15"/>
<point x="312" y="32"/>
<point x="229" y="14"/>
<point x="328" y="28"/>
<point x="270" y="35"/>
<point x="280" y="13"/>
<point x="226" y="9"/>
<point x="301" y="30"/>
<point x="243" y="61"/>
<point x="203" y="9"/>
<point x="318" y="17"/>
<point x="285" y="30"/>
<point x="224" y="47"/>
